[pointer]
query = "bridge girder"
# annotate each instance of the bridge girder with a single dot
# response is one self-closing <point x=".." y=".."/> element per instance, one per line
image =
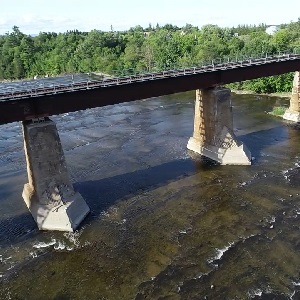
<point x="53" y="104"/>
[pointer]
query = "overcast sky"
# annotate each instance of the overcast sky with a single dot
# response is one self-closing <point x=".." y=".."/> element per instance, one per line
<point x="34" y="16"/>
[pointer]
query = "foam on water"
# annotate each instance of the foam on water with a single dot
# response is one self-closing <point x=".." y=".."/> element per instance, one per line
<point x="255" y="292"/>
<point x="292" y="295"/>
<point x="201" y="275"/>
<point x="33" y="254"/>
<point x="259" y="291"/>
<point x="71" y="242"/>
<point x="220" y="253"/>
<point x="288" y="172"/>
<point x="73" y="238"/>
<point x="252" y="179"/>
<point x="4" y="260"/>
<point x="44" y="245"/>
<point x="244" y="238"/>
<point x="62" y="246"/>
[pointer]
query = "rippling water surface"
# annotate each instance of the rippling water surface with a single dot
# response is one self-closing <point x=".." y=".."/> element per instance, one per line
<point x="164" y="223"/>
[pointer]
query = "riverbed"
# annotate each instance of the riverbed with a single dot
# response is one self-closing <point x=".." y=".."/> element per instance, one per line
<point x="165" y="223"/>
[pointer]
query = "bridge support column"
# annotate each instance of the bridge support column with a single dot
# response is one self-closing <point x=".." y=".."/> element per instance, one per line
<point x="213" y="129"/>
<point x="49" y="194"/>
<point x="293" y="112"/>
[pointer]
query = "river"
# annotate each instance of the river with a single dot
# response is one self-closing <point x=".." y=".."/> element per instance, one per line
<point x="164" y="222"/>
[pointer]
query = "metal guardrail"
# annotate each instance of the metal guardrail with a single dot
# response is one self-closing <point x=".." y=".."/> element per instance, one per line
<point x="43" y="88"/>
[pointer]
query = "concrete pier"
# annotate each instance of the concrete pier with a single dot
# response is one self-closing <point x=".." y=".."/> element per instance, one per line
<point x="213" y="129"/>
<point x="49" y="193"/>
<point x="293" y="112"/>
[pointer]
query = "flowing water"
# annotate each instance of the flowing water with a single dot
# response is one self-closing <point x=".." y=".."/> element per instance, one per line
<point x="164" y="222"/>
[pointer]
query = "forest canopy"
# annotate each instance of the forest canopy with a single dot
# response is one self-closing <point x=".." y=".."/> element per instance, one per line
<point x="144" y="49"/>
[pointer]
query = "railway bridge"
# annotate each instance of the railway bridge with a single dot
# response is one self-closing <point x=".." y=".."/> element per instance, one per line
<point x="49" y="193"/>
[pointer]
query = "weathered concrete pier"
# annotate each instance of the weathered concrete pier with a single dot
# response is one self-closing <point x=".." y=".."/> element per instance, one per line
<point x="293" y="112"/>
<point x="49" y="194"/>
<point x="213" y="129"/>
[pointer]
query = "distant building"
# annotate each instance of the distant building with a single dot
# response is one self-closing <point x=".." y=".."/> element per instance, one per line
<point x="272" y="29"/>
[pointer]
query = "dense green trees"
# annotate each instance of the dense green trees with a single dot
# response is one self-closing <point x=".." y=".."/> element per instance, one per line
<point x="140" y="50"/>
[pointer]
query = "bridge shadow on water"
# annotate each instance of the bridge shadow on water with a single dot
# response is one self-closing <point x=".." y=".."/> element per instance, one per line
<point x="103" y="193"/>
<point x="16" y="229"/>
<point x="257" y="141"/>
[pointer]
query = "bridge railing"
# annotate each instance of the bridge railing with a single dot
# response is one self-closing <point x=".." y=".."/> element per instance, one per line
<point x="70" y="83"/>
<point x="224" y="60"/>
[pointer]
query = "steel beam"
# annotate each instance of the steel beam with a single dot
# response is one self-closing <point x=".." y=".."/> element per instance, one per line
<point x="54" y="104"/>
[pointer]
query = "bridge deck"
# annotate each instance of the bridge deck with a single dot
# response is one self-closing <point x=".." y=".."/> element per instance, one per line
<point x="32" y="102"/>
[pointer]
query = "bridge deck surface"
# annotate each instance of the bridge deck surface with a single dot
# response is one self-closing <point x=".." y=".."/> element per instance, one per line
<point x="31" y="101"/>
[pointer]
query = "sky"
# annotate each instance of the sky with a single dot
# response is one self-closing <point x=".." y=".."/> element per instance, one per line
<point x="34" y="16"/>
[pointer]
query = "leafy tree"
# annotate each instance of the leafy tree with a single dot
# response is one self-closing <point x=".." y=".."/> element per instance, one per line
<point x="140" y="50"/>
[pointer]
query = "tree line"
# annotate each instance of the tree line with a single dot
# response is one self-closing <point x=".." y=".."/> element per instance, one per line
<point x="144" y="49"/>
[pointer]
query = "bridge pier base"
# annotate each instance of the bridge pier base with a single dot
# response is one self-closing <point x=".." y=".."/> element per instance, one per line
<point x="213" y="129"/>
<point x="49" y="194"/>
<point x="293" y="112"/>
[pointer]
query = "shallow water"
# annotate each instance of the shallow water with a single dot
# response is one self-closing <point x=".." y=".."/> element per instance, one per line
<point x="164" y="223"/>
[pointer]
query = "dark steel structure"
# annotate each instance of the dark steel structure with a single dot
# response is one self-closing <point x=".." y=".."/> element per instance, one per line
<point x="31" y="103"/>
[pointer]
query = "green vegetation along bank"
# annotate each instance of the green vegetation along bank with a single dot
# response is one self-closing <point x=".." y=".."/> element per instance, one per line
<point x="144" y="49"/>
